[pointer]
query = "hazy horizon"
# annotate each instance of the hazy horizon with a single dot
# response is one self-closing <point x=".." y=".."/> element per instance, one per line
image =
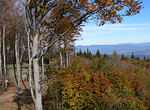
<point x="116" y="44"/>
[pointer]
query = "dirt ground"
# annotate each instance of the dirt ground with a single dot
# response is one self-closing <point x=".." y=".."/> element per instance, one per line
<point x="14" y="98"/>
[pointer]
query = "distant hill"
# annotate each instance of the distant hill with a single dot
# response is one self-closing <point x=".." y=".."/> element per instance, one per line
<point x="141" y="49"/>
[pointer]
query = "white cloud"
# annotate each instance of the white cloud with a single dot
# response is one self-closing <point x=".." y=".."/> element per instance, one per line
<point x="108" y="28"/>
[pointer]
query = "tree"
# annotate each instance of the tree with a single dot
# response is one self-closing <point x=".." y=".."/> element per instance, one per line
<point x="67" y="15"/>
<point x="18" y="59"/>
<point x="137" y="58"/>
<point x="6" y="7"/>
<point x="80" y="53"/>
<point x="144" y="58"/>
<point x="132" y="56"/>
<point x="1" y="74"/>
<point x="105" y="55"/>
<point x="122" y="57"/>
<point x="85" y="54"/>
<point x="98" y="54"/>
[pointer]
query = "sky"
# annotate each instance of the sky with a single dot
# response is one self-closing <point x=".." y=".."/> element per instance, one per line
<point x="133" y="29"/>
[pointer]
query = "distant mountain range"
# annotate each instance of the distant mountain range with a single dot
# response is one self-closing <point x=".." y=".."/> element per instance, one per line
<point x="142" y="49"/>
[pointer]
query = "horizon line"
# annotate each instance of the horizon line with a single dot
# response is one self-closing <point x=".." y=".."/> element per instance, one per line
<point x="114" y="44"/>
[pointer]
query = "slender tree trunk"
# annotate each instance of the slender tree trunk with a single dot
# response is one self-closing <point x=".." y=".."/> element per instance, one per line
<point x="1" y="74"/>
<point x="21" y="64"/>
<point x="35" y="55"/>
<point x="42" y="65"/>
<point x="17" y="60"/>
<point x="4" y="57"/>
<point x="14" y="68"/>
<point x="61" y="60"/>
<point x="67" y="59"/>
<point x="30" y="67"/>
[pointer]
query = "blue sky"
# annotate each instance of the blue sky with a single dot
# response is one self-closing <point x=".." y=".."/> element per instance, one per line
<point x="133" y="29"/>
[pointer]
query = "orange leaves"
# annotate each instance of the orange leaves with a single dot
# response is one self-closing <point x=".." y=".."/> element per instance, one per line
<point x="123" y="87"/>
<point x="82" y="89"/>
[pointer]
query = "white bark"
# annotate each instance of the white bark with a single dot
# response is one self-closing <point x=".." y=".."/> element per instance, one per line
<point x="35" y="56"/>
<point x="1" y="74"/>
<point x="17" y="59"/>
<point x="61" y="59"/>
<point x="67" y="59"/>
<point x="4" y="56"/>
<point x="42" y="64"/>
<point x="30" y="67"/>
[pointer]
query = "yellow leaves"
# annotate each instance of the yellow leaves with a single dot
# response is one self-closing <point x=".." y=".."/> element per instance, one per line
<point x="87" y="76"/>
<point x="119" y="8"/>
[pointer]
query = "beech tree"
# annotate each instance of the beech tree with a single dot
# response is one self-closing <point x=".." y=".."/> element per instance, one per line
<point x="1" y="75"/>
<point x="67" y="15"/>
<point x="5" y="11"/>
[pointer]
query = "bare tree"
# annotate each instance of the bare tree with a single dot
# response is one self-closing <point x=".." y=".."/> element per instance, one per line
<point x="18" y="66"/>
<point x="1" y="74"/>
<point x="4" y="56"/>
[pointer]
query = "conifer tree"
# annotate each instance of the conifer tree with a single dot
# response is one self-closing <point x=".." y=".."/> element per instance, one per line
<point x="90" y="55"/>
<point x="144" y="58"/>
<point x="137" y="58"/>
<point x="98" y="53"/>
<point x="148" y="59"/>
<point x="85" y="54"/>
<point x="122" y="57"/>
<point x="80" y="52"/>
<point x="132" y="56"/>
<point x="105" y="55"/>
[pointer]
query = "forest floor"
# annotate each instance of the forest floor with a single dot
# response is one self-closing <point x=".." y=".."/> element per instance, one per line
<point x="14" y="98"/>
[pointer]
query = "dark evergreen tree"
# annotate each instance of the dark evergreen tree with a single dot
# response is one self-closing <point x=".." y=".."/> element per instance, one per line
<point x="144" y="58"/>
<point x="98" y="54"/>
<point x="132" y="56"/>
<point x="80" y="53"/>
<point x="148" y="59"/>
<point x="90" y="56"/>
<point x="85" y="54"/>
<point x="137" y="58"/>
<point x="122" y="57"/>
<point x="105" y="55"/>
<point x="87" y="51"/>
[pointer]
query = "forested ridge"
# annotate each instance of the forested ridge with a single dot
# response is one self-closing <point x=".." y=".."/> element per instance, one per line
<point x="100" y="82"/>
<point x="40" y="70"/>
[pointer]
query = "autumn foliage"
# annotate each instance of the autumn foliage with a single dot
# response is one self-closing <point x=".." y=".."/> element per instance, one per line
<point x="100" y="84"/>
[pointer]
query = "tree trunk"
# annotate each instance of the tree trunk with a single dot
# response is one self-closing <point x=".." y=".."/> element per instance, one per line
<point x="21" y="64"/>
<point x="17" y="60"/>
<point x="35" y="56"/>
<point x="1" y="74"/>
<point x="4" y="57"/>
<point x="67" y="59"/>
<point x="30" y="67"/>
<point x="61" y="60"/>
<point x="14" y="68"/>
<point x="42" y="64"/>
